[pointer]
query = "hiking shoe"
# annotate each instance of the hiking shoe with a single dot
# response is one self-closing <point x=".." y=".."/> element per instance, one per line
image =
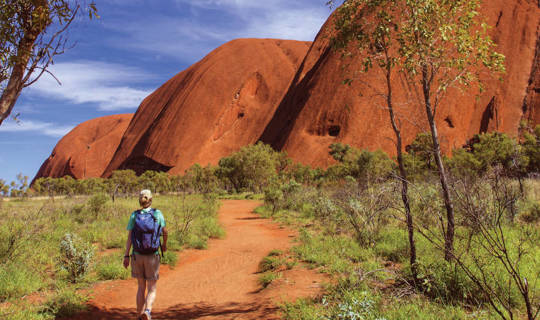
<point x="146" y="315"/>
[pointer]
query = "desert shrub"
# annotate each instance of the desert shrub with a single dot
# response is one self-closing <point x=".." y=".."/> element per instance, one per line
<point x="531" y="149"/>
<point x="447" y="283"/>
<point x="289" y="195"/>
<point x="464" y="164"/>
<point x="304" y="174"/>
<point x="324" y="208"/>
<point x="200" y="179"/>
<point x="488" y="150"/>
<point x="273" y="197"/>
<point x="76" y="256"/>
<point x="530" y="212"/>
<point x="365" y="211"/>
<point x="251" y="168"/>
<point x="158" y="182"/>
<point x="354" y="306"/>
<point x="418" y="159"/>
<point x="365" y="166"/>
<point x="290" y="192"/>
<point x="97" y="203"/>
<point x="122" y="182"/>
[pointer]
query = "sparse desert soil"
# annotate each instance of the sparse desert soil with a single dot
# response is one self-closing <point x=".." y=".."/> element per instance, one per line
<point x="218" y="283"/>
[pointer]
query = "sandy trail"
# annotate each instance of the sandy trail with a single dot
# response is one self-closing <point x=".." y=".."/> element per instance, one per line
<point x="218" y="283"/>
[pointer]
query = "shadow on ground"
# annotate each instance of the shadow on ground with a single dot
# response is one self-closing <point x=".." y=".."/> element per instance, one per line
<point x="226" y="311"/>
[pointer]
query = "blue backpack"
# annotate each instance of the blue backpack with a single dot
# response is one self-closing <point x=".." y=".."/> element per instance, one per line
<point x="146" y="232"/>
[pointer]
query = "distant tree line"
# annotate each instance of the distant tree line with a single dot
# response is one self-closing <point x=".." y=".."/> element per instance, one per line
<point x="256" y="168"/>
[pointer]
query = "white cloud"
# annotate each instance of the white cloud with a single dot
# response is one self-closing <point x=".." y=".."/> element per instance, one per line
<point x="188" y="37"/>
<point x="107" y="85"/>
<point x="45" y="128"/>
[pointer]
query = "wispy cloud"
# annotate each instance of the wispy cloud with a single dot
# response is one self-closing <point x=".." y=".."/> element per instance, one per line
<point x="44" y="128"/>
<point x="187" y="35"/>
<point x="109" y="86"/>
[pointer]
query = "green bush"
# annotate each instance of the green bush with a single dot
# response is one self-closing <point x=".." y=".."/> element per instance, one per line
<point x="251" y="168"/>
<point x="354" y="305"/>
<point x="75" y="256"/>
<point x="447" y="283"/>
<point x="97" y="203"/>
<point x="273" y="197"/>
<point x="531" y="212"/>
<point x="418" y="159"/>
<point x="365" y="166"/>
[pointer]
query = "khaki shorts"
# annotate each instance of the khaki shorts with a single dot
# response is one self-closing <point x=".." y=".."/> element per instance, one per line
<point x="145" y="266"/>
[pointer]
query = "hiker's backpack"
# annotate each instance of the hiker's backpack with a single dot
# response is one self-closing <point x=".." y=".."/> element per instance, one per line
<point x="146" y="232"/>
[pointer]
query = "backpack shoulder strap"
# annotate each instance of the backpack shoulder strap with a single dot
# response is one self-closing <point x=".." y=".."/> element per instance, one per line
<point x="152" y="213"/>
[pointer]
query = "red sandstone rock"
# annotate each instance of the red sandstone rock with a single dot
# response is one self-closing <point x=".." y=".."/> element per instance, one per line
<point x="87" y="149"/>
<point x="212" y="109"/>
<point x="319" y="109"/>
<point x="531" y="105"/>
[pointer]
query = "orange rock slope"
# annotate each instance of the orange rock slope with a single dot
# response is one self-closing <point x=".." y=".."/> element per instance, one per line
<point x="212" y="109"/>
<point x="87" y="149"/>
<point x="319" y="109"/>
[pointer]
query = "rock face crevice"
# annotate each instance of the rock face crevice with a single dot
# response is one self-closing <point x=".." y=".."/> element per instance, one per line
<point x="531" y="103"/>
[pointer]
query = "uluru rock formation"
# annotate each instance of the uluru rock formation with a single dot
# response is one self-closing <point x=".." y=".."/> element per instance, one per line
<point x="269" y="90"/>
<point x="87" y="149"/>
<point x="319" y="109"/>
<point x="211" y="109"/>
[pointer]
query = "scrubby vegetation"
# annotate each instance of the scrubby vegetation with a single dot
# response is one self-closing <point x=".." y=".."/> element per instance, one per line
<point x="352" y="226"/>
<point x="51" y="249"/>
<point x="351" y="221"/>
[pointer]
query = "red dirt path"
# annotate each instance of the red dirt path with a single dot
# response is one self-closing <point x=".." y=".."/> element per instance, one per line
<point x="218" y="283"/>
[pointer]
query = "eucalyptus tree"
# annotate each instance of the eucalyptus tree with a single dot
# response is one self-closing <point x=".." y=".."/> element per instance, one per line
<point x="368" y="30"/>
<point x="32" y="33"/>
<point x="437" y="45"/>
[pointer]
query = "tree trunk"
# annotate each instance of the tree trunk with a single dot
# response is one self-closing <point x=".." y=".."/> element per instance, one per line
<point x="449" y="236"/>
<point x="24" y="51"/>
<point x="15" y="84"/>
<point x="403" y="177"/>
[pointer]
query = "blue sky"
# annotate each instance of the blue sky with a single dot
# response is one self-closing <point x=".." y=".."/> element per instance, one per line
<point x="131" y="50"/>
